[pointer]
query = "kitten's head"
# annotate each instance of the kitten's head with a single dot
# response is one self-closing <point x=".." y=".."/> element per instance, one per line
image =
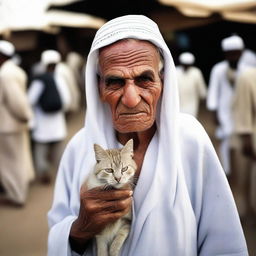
<point x="115" y="167"/>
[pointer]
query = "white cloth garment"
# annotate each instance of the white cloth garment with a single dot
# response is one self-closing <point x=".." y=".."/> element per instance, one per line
<point x="178" y="210"/>
<point x="192" y="89"/>
<point x="48" y="127"/>
<point x="7" y="48"/>
<point x="220" y="92"/>
<point x="66" y="73"/>
<point x="232" y="43"/>
<point x="220" y="99"/>
<point x="187" y="58"/>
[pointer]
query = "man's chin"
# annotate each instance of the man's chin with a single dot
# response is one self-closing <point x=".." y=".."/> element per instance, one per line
<point x="138" y="126"/>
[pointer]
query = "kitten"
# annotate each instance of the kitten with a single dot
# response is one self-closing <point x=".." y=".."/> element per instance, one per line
<point x="115" y="168"/>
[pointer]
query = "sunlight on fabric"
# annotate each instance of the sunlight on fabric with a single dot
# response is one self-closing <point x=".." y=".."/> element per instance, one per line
<point x="236" y="10"/>
<point x="72" y="19"/>
<point x="211" y="5"/>
<point x="33" y="15"/>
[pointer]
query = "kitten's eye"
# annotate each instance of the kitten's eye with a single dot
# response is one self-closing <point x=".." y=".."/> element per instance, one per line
<point x="125" y="169"/>
<point x="109" y="170"/>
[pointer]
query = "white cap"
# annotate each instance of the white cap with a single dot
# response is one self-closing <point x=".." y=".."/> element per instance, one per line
<point x="187" y="58"/>
<point x="232" y="43"/>
<point x="6" y="48"/>
<point x="50" y="57"/>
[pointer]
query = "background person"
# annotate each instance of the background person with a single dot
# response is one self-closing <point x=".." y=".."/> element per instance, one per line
<point x="191" y="84"/>
<point x="221" y="91"/>
<point x="49" y="125"/>
<point x="64" y="71"/>
<point x="16" y="167"/>
<point x="244" y="107"/>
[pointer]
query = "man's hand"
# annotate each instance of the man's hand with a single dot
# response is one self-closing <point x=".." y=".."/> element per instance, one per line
<point x="98" y="208"/>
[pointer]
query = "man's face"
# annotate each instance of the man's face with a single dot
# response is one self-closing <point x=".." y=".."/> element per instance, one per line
<point x="130" y="84"/>
<point x="233" y="57"/>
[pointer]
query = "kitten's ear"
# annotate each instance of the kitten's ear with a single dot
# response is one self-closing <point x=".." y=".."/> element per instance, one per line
<point x="100" y="153"/>
<point x="128" y="148"/>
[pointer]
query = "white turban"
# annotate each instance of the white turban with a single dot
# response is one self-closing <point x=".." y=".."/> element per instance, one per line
<point x="6" y="48"/>
<point x="50" y="57"/>
<point x="187" y="58"/>
<point x="232" y="43"/>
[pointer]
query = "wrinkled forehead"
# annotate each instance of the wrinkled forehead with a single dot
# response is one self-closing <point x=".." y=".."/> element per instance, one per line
<point x="129" y="50"/>
<point x="127" y="43"/>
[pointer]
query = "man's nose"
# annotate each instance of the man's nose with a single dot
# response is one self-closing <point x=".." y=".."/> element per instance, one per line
<point x="131" y="96"/>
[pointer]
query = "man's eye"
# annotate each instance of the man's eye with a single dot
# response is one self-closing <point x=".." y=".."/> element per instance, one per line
<point x="114" y="82"/>
<point x="143" y="79"/>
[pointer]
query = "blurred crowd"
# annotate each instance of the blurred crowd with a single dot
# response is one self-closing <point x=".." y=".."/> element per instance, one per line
<point x="34" y="114"/>
<point x="35" y="109"/>
<point x="230" y="97"/>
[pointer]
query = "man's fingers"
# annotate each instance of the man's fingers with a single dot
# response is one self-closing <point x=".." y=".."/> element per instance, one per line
<point x="113" y="216"/>
<point x="107" y="195"/>
<point x="114" y="206"/>
<point x="98" y="206"/>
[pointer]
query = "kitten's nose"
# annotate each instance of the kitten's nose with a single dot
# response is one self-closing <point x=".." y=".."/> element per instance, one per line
<point x="118" y="179"/>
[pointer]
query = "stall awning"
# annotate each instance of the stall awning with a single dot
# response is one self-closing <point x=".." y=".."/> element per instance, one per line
<point x="233" y="10"/>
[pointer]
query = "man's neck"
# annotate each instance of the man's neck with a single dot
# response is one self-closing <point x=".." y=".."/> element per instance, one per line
<point x="140" y="139"/>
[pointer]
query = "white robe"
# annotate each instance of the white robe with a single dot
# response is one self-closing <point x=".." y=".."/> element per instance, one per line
<point x="221" y="93"/>
<point x="192" y="89"/>
<point x="16" y="165"/>
<point x="67" y="74"/>
<point x="178" y="208"/>
<point x="48" y="127"/>
<point x="220" y="98"/>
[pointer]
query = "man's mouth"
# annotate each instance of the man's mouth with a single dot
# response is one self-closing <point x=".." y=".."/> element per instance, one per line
<point x="131" y="114"/>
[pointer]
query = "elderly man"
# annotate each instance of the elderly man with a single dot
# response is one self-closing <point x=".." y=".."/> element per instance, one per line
<point x="182" y="204"/>
<point x="16" y="168"/>
<point x="191" y="84"/>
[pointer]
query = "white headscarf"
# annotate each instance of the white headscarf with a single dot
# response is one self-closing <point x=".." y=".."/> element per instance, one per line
<point x="50" y="57"/>
<point x="187" y="58"/>
<point x="232" y="43"/>
<point x="98" y="123"/>
<point x="7" y="48"/>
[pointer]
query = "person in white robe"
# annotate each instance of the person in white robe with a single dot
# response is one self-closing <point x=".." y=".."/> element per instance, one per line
<point x="182" y="204"/>
<point x="221" y="91"/>
<point x="16" y="165"/>
<point x="48" y="129"/>
<point x="66" y="73"/>
<point x="244" y="108"/>
<point x="191" y="84"/>
<point x="76" y="62"/>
